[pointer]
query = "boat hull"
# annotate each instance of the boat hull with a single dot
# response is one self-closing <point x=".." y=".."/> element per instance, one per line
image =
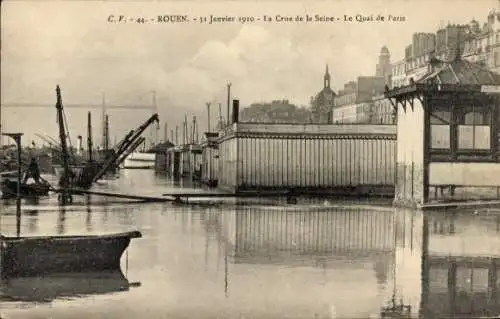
<point x="139" y="161"/>
<point x="36" y="256"/>
<point x="9" y="189"/>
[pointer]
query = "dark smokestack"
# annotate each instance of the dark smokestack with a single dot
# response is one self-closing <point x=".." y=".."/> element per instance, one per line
<point x="236" y="111"/>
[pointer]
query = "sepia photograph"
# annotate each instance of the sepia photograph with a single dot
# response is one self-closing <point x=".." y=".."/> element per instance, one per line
<point x="223" y="159"/>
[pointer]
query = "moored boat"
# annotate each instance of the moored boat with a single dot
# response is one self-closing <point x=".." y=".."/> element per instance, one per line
<point x="36" y="256"/>
<point x="139" y="160"/>
<point x="9" y="189"/>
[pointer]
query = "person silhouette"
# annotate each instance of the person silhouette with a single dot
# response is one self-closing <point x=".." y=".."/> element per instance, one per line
<point x="33" y="171"/>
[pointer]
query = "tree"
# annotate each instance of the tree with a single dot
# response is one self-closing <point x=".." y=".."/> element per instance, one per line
<point x="277" y="111"/>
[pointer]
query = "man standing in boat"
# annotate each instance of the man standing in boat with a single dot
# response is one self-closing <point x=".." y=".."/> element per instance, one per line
<point x="33" y="171"/>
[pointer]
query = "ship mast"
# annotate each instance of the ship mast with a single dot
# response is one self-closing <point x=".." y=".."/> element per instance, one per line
<point x="64" y="147"/>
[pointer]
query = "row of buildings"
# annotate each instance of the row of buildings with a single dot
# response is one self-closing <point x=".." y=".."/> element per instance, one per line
<point x="362" y="100"/>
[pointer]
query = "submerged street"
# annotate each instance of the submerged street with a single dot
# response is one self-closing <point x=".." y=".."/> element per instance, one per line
<point x="316" y="259"/>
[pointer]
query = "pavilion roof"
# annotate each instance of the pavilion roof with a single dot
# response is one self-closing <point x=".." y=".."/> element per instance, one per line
<point x="457" y="75"/>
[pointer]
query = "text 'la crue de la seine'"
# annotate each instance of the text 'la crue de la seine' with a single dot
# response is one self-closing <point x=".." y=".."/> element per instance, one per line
<point x="277" y="18"/>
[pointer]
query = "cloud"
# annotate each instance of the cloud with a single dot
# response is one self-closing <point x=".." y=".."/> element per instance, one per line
<point x="257" y="61"/>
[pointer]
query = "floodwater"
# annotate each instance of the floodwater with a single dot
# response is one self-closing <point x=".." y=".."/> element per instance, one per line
<point x="315" y="259"/>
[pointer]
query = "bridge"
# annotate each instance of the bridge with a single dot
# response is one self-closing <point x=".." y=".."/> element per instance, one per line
<point x="103" y="106"/>
<point x="81" y="106"/>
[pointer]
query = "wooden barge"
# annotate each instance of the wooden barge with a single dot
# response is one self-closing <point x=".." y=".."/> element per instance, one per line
<point x="35" y="256"/>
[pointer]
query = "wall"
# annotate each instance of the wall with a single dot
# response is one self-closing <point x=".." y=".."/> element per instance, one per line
<point x="345" y="114"/>
<point x="308" y="156"/>
<point x="410" y="154"/>
<point x="161" y="162"/>
<point x="228" y="164"/>
<point x="185" y="162"/>
<point x="210" y="168"/>
<point x="464" y="174"/>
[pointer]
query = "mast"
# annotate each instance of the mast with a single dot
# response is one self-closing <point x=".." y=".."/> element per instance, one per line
<point x="106" y="133"/>
<point x="176" y="135"/>
<point x="228" y="101"/>
<point x="64" y="146"/>
<point x="219" y="126"/>
<point x="193" y="134"/>
<point x="208" y="120"/>
<point x="89" y="135"/>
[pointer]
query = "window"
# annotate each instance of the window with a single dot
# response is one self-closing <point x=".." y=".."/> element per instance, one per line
<point x="474" y="132"/>
<point x="495" y="59"/>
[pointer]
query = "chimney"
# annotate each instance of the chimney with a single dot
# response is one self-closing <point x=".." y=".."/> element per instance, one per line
<point x="434" y="62"/>
<point x="236" y="111"/>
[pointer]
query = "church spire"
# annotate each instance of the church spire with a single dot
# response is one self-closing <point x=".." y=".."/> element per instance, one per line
<point x="326" y="79"/>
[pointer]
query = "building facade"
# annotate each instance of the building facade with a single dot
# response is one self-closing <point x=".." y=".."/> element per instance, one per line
<point x="473" y="42"/>
<point x="322" y="103"/>
<point x="398" y="70"/>
<point x="354" y="104"/>
<point x="383" y="68"/>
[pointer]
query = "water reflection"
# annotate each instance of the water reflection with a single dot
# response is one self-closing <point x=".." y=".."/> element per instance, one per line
<point x="448" y="263"/>
<point x="49" y="288"/>
<point x="434" y="264"/>
<point x="32" y="220"/>
<point x="288" y="261"/>
<point x="88" y="219"/>
<point x="61" y="221"/>
<point x="342" y="243"/>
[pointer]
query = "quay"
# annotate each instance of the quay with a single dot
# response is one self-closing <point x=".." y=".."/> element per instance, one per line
<point x="446" y="138"/>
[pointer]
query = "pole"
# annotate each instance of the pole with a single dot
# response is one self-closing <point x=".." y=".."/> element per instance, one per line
<point x="177" y="135"/>
<point x="17" y="139"/>
<point x="228" y="100"/>
<point x="106" y="133"/>
<point x="193" y="136"/>
<point x="186" y="136"/>
<point x="197" y="134"/>
<point x="89" y="135"/>
<point x="103" y="120"/>
<point x="166" y="132"/>
<point x="155" y="107"/>
<point x="18" y="190"/>
<point x="220" y="116"/>
<point x="208" y="111"/>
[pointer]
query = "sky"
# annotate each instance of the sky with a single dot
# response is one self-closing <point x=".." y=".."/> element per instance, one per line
<point x="72" y="44"/>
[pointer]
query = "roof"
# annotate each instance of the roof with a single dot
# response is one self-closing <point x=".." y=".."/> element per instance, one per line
<point x="161" y="147"/>
<point x="456" y="75"/>
<point x="459" y="72"/>
<point x="325" y="92"/>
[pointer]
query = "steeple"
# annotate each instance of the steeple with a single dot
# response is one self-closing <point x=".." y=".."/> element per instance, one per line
<point x="326" y="78"/>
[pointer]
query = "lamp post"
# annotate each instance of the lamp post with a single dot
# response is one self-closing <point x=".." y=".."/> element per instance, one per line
<point x="17" y="139"/>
